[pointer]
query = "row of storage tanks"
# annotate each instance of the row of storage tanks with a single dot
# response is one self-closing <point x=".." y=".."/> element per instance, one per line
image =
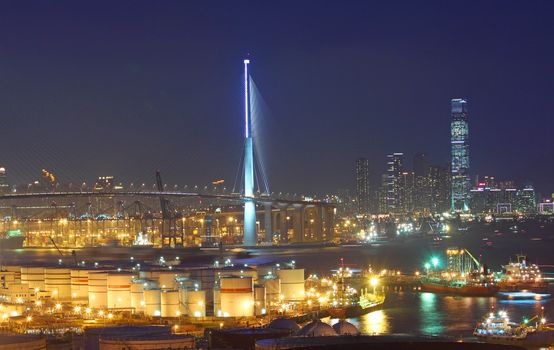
<point x="233" y="292"/>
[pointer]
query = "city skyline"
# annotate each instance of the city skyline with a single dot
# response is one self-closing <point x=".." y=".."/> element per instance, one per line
<point x="154" y="106"/>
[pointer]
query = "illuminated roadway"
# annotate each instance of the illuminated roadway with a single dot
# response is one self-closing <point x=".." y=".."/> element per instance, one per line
<point x="31" y="195"/>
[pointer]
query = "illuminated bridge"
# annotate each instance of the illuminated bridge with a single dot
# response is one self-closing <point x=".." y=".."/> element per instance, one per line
<point x="88" y="218"/>
<point x="170" y="218"/>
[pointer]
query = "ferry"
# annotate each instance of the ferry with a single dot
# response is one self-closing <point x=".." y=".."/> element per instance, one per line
<point x="497" y="328"/>
<point x="519" y="276"/>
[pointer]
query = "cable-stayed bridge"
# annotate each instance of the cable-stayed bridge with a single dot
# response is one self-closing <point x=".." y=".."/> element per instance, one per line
<point x="171" y="218"/>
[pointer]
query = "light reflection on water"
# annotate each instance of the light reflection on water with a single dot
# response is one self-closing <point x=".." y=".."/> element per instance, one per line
<point x="430" y="314"/>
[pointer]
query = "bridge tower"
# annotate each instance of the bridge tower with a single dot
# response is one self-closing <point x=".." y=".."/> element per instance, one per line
<point x="250" y="235"/>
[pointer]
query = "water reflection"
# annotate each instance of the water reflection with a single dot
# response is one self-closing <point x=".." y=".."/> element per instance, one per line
<point x="430" y="319"/>
<point x="374" y="323"/>
<point x="441" y="315"/>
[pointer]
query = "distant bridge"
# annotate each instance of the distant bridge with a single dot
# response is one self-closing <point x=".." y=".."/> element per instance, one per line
<point x="235" y="198"/>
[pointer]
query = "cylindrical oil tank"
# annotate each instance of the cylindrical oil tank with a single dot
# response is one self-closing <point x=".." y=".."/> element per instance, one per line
<point x="292" y="283"/>
<point x="272" y="290"/>
<point x="166" y="279"/>
<point x="170" y="303"/>
<point x="149" y="274"/>
<point x="183" y="301"/>
<point x="79" y="285"/>
<point x="170" y="341"/>
<point x="259" y="300"/>
<point x="57" y="281"/>
<point x="94" y="334"/>
<point x="119" y="290"/>
<point x="217" y="303"/>
<point x="22" y="342"/>
<point x="98" y="289"/>
<point x="16" y="269"/>
<point x="237" y="296"/>
<point x="152" y="302"/>
<point x="137" y="294"/>
<point x="187" y="282"/>
<point x="33" y="276"/>
<point x="196" y="303"/>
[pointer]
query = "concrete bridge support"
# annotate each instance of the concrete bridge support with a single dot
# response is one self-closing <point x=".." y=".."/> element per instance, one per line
<point x="268" y="223"/>
<point x="298" y="223"/>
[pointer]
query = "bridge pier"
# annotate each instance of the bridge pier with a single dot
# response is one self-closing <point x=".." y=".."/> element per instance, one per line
<point x="268" y="224"/>
<point x="283" y="224"/>
<point x="298" y="223"/>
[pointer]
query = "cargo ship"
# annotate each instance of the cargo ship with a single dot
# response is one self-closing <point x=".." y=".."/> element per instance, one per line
<point x="496" y="328"/>
<point x="458" y="286"/>
<point x="463" y="275"/>
<point x="519" y="276"/>
<point x="12" y="239"/>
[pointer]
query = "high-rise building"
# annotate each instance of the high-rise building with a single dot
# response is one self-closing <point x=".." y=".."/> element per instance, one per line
<point x="459" y="140"/>
<point x="362" y="185"/>
<point x="382" y="195"/>
<point x="4" y="185"/>
<point x="421" y="166"/>
<point x="421" y="196"/>
<point x="394" y="171"/>
<point x="406" y="190"/>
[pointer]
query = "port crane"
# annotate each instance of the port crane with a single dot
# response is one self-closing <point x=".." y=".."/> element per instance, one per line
<point x="170" y="235"/>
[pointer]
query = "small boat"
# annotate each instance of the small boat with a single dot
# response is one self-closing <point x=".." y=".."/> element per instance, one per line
<point x="346" y="302"/>
<point x="364" y="304"/>
<point x="496" y="328"/>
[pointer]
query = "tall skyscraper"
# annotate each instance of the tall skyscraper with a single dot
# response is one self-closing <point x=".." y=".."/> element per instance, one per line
<point x="421" y="166"/>
<point x="4" y="186"/>
<point x="459" y="140"/>
<point x="362" y="185"/>
<point x="394" y="171"/>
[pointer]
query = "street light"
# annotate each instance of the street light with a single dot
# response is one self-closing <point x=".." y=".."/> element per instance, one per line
<point x="435" y="262"/>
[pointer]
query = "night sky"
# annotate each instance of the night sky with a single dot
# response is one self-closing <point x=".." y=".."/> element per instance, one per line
<point x="127" y="87"/>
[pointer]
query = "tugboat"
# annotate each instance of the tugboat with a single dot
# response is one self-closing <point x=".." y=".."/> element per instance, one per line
<point x="347" y="303"/>
<point x="464" y="276"/>
<point x="496" y="328"/>
<point x="521" y="277"/>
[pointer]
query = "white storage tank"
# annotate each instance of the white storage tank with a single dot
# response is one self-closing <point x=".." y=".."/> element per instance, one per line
<point x="292" y="284"/>
<point x="259" y="300"/>
<point x="16" y="269"/>
<point x="152" y="302"/>
<point x="119" y="290"/>
<point x="170" y="303"/>
<point x="166" y="279"/>
<point x="57" y="281"/>
<point x="237" y="296"/>
<point x="170" y="341"/>
<point x="33" y="276"/>
<point x="272" y="290"/>
<point x="79" y="285"/>
<point x="93" y="335"/>
<point x="98" y="289"/>
<point x="183" y="295"/>
<point x="137" y="294"/>
<point x="196" y="303"/>
<point x="217" y="303"/>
